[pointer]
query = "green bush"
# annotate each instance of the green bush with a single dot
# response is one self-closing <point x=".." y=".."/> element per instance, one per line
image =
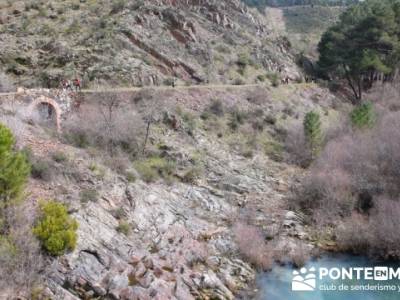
<point x="205" y="115"/>
<point x="236" y="119"/>
<point x="118" y="6"/>
<point x="155" y="167"/>
<point x="189" y="123"/>
<point x="274" y="79"/>
<point x="270" y="119"/>
<point x="55" y="229"/>
<point x="59" y="157"/>
<point x="274" y="150"/>
<point x="124" y="228"/>
<point x="75" y="6"/>
<point x="146" y="171"/>
<point x="41" y="169"/>
<point x="89" y="195"/>
<point x="313" y="132"/>
<point x="216" y="107"/>
<point x="169" y="81"/>
<point x="363" y="116"/>
<point x="243" y="60"/>
<point x="130" y="176"/>
<point x="242" y="71"/>
<point x="261" y="78"/>
<point x="78" y="138"/>
<point x="8" y="248"/>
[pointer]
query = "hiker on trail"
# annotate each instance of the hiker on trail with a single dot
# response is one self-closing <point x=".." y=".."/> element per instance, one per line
<point x="66" y="85"/>
<point x="285" y="80"/>
<point x="174" y="123"/>
<point x="77" y="84"/>
<point x="173" y="82"/>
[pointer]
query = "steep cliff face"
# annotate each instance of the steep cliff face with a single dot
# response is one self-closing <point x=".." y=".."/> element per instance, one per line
<point x="139" y="42"/>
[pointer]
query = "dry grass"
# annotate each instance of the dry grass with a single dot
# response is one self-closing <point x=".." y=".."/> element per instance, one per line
<point x="21" y="262"/>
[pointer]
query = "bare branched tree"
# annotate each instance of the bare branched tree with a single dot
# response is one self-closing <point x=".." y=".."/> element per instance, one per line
<point x="252" y="246"/>
<point x="150" y="108"/>
<point x="355" y="183"/>
<point x="108" y="121"/>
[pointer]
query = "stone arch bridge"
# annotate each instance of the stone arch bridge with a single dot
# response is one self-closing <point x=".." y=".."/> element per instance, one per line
<point x="52" y="104"/>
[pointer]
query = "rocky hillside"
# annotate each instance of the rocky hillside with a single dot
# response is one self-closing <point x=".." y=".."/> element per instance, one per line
<point x="139" y="42"/>
<point x="178" y="192"/>
<point x="154" y="191"/>
<point x="261" y="4"/>
<point x="159" y="224"/>
<point x="306" y="24"/>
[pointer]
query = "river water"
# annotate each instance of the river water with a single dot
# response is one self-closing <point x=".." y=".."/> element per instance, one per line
<point x="277" y="284"/>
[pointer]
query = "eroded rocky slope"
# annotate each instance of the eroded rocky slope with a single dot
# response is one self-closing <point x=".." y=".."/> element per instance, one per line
<point x="180" y="243"/>
<point x="139" y="42"/>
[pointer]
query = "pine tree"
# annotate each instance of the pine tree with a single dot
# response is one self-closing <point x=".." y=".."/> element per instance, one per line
<point x="14" y="171"/>
<point x="363" y="116"/>
<point x="313" y="132"/>
<point x="363" y="46"/>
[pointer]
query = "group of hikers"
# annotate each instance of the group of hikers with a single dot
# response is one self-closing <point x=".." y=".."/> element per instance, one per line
<point x="71" y="85"/>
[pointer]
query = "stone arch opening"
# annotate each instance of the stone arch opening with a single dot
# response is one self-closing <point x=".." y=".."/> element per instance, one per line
<point x="47" y="111"/>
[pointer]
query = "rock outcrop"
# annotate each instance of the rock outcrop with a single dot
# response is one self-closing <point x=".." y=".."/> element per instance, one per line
<point x="180" y="244"/>
<point x="143" y="43"/>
